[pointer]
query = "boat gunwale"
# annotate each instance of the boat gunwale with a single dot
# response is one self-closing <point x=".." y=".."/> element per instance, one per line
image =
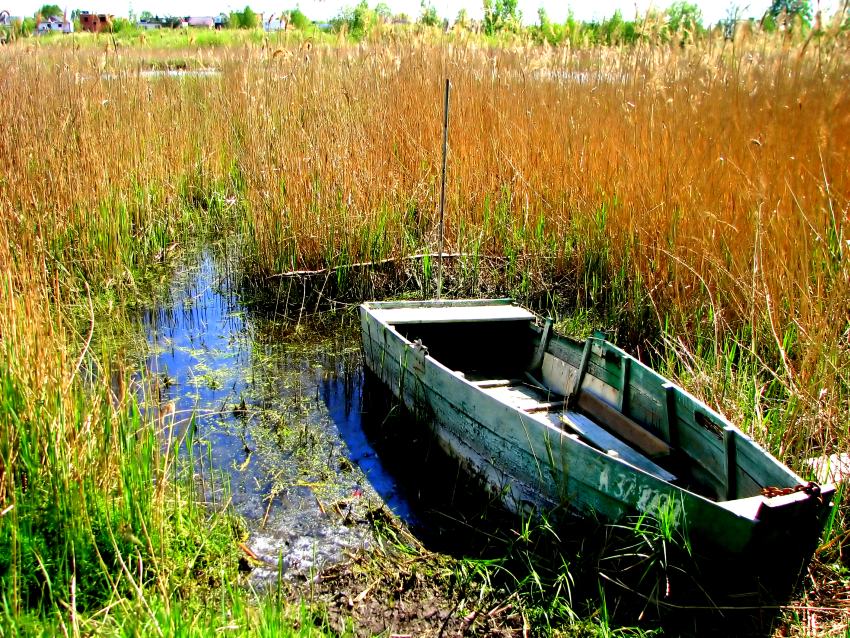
<point x="441" y="303"/>
<point x="724" y="422"/>
<point x="373" y="310"/>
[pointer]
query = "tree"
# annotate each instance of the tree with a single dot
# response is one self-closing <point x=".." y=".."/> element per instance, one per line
<point x="572" y="28"/>
<point x="544" y="32"/>
<point x="49" y="11"/>
<point x="299" y="20"/>
<point x="362" y="19"/>
<point x="245" y="19"/>
<point x="785" y="14"/>
<point x="429" y="16"/>
<point x="610" y="31"/>
<point x="145" y="16"/>
<point x="383" y="11"/>
<point x="122" y="25"/>
<point x="462" y="19"/>
<point x="543" y="18"/>
<point x="684" y="15"/>
<point x="357" y="20"/>
<point x="499" y="15"/>
<point x="791" y="9"/>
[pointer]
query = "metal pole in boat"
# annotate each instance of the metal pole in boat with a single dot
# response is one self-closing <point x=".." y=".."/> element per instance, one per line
<point x="443" y="186"/>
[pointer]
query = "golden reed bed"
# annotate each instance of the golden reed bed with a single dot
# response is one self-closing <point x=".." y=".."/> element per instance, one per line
<point x="706" y="184"/>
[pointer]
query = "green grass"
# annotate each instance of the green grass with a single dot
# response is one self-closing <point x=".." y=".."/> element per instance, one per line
<point x="102" y="530"/>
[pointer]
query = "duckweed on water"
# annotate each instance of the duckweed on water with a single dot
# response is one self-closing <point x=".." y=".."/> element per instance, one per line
<point x="264" y="396"/>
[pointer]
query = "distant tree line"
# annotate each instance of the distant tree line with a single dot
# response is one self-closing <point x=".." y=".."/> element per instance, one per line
<point x="680" y="23"/>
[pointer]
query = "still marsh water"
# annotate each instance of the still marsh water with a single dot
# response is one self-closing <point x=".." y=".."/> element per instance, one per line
<point x="277" y="411"/>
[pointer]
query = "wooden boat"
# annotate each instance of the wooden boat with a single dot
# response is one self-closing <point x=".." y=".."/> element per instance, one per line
<point x="549" y="422"/>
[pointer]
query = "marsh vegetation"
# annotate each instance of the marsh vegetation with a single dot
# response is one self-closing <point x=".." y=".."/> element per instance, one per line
<point x="692" y="200"/>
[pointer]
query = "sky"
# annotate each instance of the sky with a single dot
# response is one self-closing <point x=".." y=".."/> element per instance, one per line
<point x="321" y="10"/>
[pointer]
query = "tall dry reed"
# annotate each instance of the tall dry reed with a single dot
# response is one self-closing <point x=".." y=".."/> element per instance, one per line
<point x="708" y="185"/>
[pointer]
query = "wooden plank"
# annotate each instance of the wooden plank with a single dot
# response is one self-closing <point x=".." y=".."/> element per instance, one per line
<point x="731" y="447"/>
<point x="668" y="405"/>
<point x="568" y="471"/>
<point x="579" y="377"/>
<point x="531" y="380"/>
<point x="557" y="374"/>
<point x="565" y="349"/>
<point x="625" y="373"/>
<point x="521" y="397"/>
<point x="747" y="507"/>
<point x="452" y="314"/>
<point x="495" y="383"/>
<point x="437" y="303"/>
<point x="545" y="406"/>
<point x="755" y="466"/>
<point x="572" y="351"/>
<point x="562" y="360"/>
<point x="703" y="444"/>
<point x="622" y="425"/>
<point x="537" y="359"/>
<point x="608" y="443"/>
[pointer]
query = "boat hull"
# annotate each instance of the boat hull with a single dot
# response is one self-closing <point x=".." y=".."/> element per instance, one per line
<point x="532" y="464"/>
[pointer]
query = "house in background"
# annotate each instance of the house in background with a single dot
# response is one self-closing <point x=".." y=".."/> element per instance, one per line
<point x="202" y="22"/>
<point x="54" y="25"/>
<point x="95" y="22"/>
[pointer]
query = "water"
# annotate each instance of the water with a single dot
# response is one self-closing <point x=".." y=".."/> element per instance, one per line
<point x="178" y="73"/>
<point x="277" y="412"/>
<point x="154" y="74"/>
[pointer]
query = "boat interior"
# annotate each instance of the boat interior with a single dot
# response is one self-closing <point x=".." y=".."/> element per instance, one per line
<point x="597" y="393"/>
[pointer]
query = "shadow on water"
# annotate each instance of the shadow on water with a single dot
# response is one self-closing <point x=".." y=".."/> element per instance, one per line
<point x="277" y="407"/>
<point x="427" y="489"/>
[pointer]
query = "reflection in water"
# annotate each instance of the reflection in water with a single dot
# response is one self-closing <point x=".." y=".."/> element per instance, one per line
<point x="343" y="395"/>
<point x="277" y="412"/>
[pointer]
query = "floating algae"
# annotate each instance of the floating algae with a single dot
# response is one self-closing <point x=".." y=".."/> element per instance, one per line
<point x="275" y="408"/>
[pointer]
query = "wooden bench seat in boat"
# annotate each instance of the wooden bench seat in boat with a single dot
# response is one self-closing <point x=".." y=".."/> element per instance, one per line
<point x="607" y="442"/>
<point x="622" y="425"/>
<point x="547" y="406"/>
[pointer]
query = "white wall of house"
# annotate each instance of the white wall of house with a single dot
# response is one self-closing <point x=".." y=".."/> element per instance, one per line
<point x="54" y="26"/>
<point x="206" y="22"/>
